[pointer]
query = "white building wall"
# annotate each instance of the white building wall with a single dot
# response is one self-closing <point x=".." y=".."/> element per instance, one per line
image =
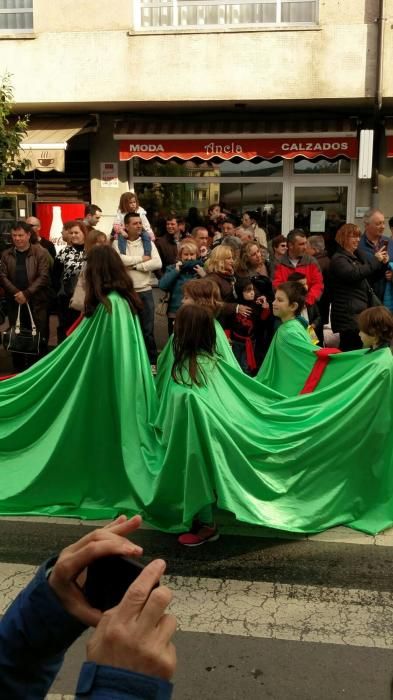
<point x="83" y="55"/>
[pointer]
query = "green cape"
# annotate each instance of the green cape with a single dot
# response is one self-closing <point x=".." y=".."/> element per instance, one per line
<point x="289" y="360"/>
<point x="75" y="434"/>
<point x="82" y="435"/>
<point x="165" y="359"/>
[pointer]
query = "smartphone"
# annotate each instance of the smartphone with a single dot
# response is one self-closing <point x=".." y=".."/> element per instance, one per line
<point x="108" y="578"/>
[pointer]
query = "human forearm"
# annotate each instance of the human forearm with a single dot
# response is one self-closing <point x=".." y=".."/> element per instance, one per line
<point x="153" y="264"/>
<point x="35" y="632"/>
<point x="99" y="682"/>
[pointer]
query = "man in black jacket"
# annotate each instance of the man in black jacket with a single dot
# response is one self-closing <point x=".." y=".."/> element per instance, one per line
<point x="24" y="275"/>
<point x="167" y="244"/>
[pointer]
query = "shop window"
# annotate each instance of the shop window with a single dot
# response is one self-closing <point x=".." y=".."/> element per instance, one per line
<point x="243" y="168"/>
<point x="318" y="209"/>
<point x="235" y="197"/>
<point x="158" y="14"/>
<point x="16" y="16"/>
<point x="341" y="166"/>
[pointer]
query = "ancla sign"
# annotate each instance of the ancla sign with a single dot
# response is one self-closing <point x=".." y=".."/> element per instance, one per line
<point x="246" y="148"/>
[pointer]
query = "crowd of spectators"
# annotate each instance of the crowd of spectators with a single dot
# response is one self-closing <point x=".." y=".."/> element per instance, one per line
<point x="244" y="260"/>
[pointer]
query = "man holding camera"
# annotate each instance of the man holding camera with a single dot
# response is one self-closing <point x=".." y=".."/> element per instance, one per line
<point x="129" y="655"/>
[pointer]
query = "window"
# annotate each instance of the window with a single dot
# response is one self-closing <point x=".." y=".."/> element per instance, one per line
<point x="322" y="166"/>
<point x="156" y="14"/>
<point x="16" y="16"/>
<point x="244" y="168"/>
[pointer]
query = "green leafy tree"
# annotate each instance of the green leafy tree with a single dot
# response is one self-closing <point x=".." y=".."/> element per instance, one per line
<point x="13" y="130"/>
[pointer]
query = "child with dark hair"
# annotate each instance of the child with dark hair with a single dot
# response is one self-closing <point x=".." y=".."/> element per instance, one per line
<point x="376" y="328"/>
<point x="194" y="350"/>
<point x="194" y="338"/>
<point x="203" y="293"/>
<point x="105" y="273"/>
<point x="310" y="313"/>
<point x="243" y="328"/>
<point x="289" y="301"/>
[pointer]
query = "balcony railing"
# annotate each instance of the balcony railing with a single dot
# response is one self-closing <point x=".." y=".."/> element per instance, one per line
<point x="156" y="14"/>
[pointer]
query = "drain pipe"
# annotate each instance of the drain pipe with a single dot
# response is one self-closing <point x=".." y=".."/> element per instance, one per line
<point x="378" y="98"/>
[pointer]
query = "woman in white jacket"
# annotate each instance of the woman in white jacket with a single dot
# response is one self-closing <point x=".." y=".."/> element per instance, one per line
<point x="129" y="204"/>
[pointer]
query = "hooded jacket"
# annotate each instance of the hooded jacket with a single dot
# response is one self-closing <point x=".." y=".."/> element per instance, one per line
<point x="309" y="267"/>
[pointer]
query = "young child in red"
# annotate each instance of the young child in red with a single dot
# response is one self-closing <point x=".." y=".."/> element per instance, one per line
<point x="243" y="328"/>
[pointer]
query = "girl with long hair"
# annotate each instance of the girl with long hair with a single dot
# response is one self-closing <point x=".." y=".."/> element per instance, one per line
<point x="105" y="273"/>
<point x="203" y="293"/>
<point x="194" y="357"/>
<point x="194" y="338"/>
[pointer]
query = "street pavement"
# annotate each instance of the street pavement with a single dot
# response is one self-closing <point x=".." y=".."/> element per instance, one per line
<point x="258" y="615"/>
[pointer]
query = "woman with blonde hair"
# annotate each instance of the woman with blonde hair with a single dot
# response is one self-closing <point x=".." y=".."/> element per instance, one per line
<point x="187" y="267"/>
<point x="220" y="269"/>
<point x="351" y="291"/>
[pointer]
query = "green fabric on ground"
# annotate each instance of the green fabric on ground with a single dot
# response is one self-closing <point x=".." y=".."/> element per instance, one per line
<point x="82" y="435"/>
<point x="301" y="464"/>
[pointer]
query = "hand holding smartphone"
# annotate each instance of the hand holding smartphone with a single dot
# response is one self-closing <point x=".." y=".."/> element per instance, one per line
<point x="108" y="578"/>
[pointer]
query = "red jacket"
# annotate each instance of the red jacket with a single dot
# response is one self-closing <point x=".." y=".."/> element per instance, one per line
<point x="308" y="266"/>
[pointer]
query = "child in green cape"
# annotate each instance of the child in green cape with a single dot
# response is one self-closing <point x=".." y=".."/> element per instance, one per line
<point x="194" y="349"/>
<point x="376" y="328"/>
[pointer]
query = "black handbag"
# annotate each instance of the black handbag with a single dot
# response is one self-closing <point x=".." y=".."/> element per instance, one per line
<point x="372" y="299"/>
<point x="26" y="341"/>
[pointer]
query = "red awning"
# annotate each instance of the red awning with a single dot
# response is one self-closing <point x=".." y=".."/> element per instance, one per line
<point x="147" y="140"/>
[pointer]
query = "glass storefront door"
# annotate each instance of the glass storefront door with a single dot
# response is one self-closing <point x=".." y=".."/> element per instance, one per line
<point x="317" y="208"/>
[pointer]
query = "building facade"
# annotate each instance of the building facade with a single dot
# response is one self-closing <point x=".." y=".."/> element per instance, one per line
<point x="253" y="104"/>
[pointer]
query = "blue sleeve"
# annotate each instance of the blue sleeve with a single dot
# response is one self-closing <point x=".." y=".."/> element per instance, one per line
<point x="35" y="632"/>
<point x="169" y="278"/>
<point x="108" y="683"/>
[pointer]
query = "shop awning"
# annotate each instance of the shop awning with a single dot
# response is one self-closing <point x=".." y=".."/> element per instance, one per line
<point x="187" y="139"/>
<point x="389" y="136"/>
<point x="47" y="139"/>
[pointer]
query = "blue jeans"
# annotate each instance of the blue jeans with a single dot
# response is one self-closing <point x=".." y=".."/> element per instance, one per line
<point x="146" y="317"/>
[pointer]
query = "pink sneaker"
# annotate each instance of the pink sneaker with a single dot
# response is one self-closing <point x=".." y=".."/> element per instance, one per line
<point x="201" y="536"/>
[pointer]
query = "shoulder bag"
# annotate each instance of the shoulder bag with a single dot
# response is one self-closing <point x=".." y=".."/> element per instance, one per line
<point x="22" y="340"/>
